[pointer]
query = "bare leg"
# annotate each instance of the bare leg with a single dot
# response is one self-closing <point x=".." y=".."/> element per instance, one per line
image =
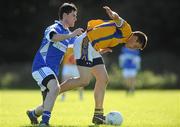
<point x="64" y="78"/>
<point x="81" y="93"/>
<point x="130" y="84"/>
<point x="100" y="73"/>
<point x="83" y="80"/>
<point x="49" y="101"/>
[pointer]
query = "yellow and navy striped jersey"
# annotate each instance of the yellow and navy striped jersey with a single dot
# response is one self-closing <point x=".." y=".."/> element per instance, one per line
<point x="105" y="33"/>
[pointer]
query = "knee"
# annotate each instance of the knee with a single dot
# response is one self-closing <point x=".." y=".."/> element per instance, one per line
<point x="103" y="79"/>
<point x="107" y="79"/>
<point x="84" y="82"/>
<point x="57" y="89"/>
<point x="54" y="87"/>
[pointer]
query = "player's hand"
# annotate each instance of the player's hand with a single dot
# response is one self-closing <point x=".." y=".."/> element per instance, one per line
<point x="78" y="31"/>
<point x="105" y="50"/>
<point x="113" y="15"/>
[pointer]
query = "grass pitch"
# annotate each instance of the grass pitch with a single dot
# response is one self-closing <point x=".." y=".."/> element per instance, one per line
<point x="151" y="108"/>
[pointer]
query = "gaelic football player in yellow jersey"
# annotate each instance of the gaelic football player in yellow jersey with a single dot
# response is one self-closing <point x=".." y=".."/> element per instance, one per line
<point x="99" y="38"/>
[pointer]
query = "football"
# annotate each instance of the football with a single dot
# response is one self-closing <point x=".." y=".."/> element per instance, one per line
<point x="114" y="118"/>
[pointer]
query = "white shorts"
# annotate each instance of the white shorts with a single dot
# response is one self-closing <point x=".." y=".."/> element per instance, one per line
<point x="40" y="74"/>
<point x="70" y="71"/>
<point x="92" y="53"/>
<point x="129" y="73"/>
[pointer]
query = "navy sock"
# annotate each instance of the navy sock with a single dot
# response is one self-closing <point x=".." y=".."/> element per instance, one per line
<point x="46" y="116"/>
<point x="33" y="114"/>
<point x="98" y="111"/>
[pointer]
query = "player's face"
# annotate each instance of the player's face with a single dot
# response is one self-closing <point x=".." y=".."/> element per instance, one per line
<point x="71" y="18"/>
<point x="132" y="43"/>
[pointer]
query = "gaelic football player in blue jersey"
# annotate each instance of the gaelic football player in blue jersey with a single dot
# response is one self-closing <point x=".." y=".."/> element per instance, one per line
<point x="45" y="68"/>
<point x="129" y="62"/>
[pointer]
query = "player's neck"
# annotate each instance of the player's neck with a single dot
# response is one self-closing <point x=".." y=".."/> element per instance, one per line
<point x="65" y="25"/>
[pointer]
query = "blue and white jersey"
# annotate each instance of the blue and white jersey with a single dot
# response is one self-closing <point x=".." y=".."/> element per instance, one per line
<point x="129" y="59"/>
<point x="51" y="53"/>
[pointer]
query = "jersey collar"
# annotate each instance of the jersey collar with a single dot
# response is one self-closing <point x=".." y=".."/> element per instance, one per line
<point x="60" y="23"/>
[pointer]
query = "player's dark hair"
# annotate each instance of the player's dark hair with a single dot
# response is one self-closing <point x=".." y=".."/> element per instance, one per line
<point x="142" y="38"/>
<point x="66" y="8"/>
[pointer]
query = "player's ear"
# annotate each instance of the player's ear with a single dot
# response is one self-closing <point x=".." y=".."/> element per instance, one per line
<point x="64" y="15"/>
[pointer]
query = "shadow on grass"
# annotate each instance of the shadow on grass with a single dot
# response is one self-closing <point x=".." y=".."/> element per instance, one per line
<point x="29" y="126"/>
<point x="62" y="126"/>
<point x="76" y="126"/>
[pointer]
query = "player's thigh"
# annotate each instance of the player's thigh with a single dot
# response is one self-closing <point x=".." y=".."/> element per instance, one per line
<point x="53" y="84"/>
<point x="100" y="72"/>
<point x="84" y="73"/>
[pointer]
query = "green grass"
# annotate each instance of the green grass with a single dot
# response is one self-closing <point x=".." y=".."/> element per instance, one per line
<point x="144" y="109"/>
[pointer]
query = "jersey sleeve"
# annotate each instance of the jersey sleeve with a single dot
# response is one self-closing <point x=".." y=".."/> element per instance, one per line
<point x="52" y="29"/>
<point x="126" y="31"/>
<point x="72" y="40"/>
<point x="137" y="61"/>
<point x="122" y="58"/>
<point x="119" y="23"/>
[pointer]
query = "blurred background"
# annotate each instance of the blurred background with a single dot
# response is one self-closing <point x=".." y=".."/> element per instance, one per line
<point x="24" y="21"/>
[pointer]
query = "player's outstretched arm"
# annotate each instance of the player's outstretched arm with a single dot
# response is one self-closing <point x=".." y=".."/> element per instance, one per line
<point x="61" y="37"/>
<point x="113" y="15"/>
